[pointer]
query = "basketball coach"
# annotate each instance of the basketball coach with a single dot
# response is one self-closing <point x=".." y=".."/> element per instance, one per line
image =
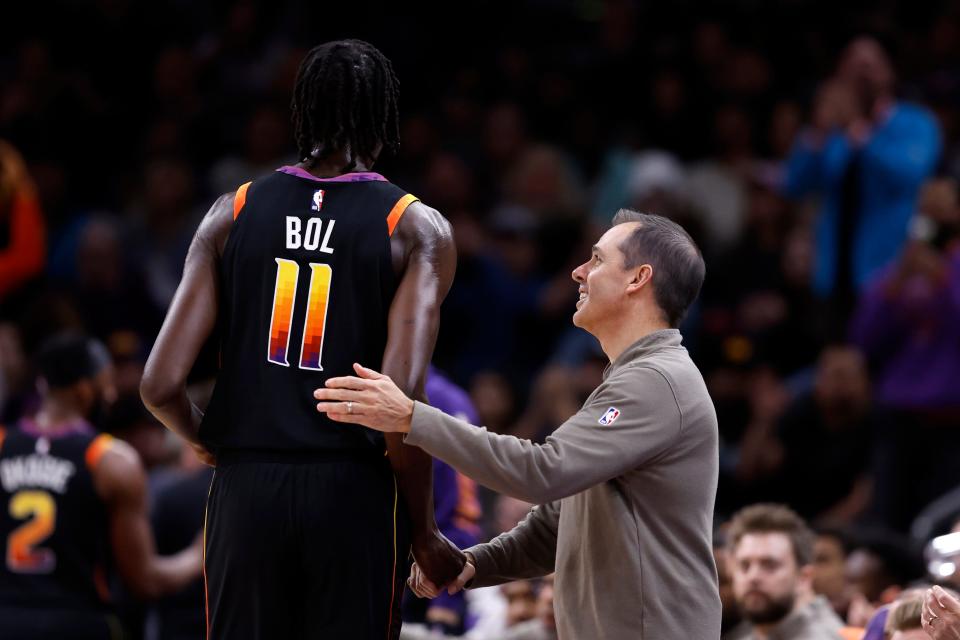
<point x="625" y="488"/>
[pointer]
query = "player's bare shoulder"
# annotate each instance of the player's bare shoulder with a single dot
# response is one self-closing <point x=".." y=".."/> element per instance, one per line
<point x="216" y="224"/>
<point x="425" y="231"/>
<point x="425" y="223"/>
<point x="119" y="472"/>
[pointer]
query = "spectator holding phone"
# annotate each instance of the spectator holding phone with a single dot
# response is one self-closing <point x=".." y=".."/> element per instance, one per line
<point x="906" y="324"/>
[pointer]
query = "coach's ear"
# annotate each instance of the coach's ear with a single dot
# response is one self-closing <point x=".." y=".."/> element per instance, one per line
<point x="640" y="277"/>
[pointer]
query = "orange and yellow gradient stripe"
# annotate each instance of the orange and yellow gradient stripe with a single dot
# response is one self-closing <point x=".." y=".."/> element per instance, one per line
<point x="23" y="554"/>
<point x="320" y="277"/>
<point x="284" y="295"/>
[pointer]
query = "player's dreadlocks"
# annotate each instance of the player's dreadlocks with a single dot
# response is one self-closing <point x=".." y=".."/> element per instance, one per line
<point x="345" y="97"/>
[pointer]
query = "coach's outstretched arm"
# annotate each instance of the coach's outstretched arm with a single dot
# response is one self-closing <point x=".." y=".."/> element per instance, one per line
<point x="423" y="251"/>
<point x="630" y="419"/>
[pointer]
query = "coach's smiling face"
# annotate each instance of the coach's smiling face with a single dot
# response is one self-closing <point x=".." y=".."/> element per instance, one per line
<point x="605" y="286"/>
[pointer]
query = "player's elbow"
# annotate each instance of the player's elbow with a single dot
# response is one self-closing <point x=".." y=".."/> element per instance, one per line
<point x="157" y="390"/>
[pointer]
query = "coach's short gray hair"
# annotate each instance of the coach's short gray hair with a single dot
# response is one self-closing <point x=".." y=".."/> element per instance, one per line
<point x="677" y="263"/>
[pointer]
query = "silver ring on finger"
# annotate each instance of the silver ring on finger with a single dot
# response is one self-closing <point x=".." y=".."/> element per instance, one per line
<point x="349" y="407"/>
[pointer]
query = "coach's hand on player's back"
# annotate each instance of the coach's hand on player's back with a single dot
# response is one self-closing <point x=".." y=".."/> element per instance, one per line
<point x="369" y="398"/>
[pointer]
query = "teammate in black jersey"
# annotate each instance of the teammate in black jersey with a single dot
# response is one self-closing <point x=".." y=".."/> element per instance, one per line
<point x="306" y="271"/>
<point x="73" y="505"/>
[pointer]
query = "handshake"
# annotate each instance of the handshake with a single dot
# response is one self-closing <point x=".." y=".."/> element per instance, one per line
<point x="438" y="557"/>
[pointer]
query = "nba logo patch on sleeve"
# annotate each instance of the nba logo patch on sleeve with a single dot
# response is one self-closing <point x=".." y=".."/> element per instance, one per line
<point x="612" y="414"/>
<point x="317" y="200"/>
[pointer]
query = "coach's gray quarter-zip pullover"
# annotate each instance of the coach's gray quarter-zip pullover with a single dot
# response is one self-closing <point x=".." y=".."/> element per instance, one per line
<point x="625" y="489"/>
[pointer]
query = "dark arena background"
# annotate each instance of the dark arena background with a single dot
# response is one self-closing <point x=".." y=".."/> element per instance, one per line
<point x="810" y="148"/>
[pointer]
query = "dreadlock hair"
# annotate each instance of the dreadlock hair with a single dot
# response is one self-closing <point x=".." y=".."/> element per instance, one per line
<point x="345" y="98"/>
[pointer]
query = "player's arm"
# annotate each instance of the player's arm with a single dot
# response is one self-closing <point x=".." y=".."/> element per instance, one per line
<point x="121" y="482"/>
<point x="423" y="246"/>
<point x="189" y="323"/>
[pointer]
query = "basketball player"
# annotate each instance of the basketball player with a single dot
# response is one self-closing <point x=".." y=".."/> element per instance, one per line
<point x="305" y="271"/>
<point x="68" y="496"/>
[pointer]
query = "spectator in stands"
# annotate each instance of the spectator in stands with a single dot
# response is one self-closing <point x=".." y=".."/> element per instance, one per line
<point x="130" y="421"/>
<point x="529" y="616"/>
<point x="264" y="150"/>
<point x="830" y="551"/>
<point x="719" y="186"/>
<point x="866" y="154"/>
<point x="903" y="622"/>
<point x="166" y="218"/>
<point x="731" y="613"/>
<point x="109" y="291"/>
<point x="906" y="323"/>
<point x="879" y="567"/>
<point x="771" y="551"/>
<point x="544" y="625"/>
<point x="521" y="597"/>
<point x="15" y="380"/>
<point x="23" y="246"/>
<point x="826" y="437"/>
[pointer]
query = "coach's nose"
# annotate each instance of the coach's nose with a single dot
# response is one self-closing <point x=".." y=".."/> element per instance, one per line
<point x="579" y="274"/>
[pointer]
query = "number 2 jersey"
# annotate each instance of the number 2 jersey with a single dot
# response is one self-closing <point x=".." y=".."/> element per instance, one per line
<point x="306" y="283"/>
<point x="52" y="520"/>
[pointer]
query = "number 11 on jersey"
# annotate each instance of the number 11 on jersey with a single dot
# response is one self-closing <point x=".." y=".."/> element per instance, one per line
<point x="284" y="297"/>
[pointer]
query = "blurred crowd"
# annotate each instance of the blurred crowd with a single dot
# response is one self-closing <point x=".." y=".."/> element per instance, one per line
<point x="816" y="167"/>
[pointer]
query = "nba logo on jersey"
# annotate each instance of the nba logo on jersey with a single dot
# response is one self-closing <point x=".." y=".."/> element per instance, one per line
<point x="317" y="200"/>
<point x="612" y="414"/>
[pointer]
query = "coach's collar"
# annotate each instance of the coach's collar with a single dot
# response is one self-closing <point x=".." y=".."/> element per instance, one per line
<point x="645" y="347"/>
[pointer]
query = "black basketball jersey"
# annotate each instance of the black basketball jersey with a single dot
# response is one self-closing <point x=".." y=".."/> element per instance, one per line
<point x="306" y="286"/>
<point x="52" y="521"/>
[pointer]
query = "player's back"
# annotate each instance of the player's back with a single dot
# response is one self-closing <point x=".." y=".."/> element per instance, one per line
<point x="52" y="520"/>
<point x="306" y="285"/>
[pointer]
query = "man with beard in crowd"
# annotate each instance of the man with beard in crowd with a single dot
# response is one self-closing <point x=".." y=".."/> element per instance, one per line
<point x="771" y="551"/>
